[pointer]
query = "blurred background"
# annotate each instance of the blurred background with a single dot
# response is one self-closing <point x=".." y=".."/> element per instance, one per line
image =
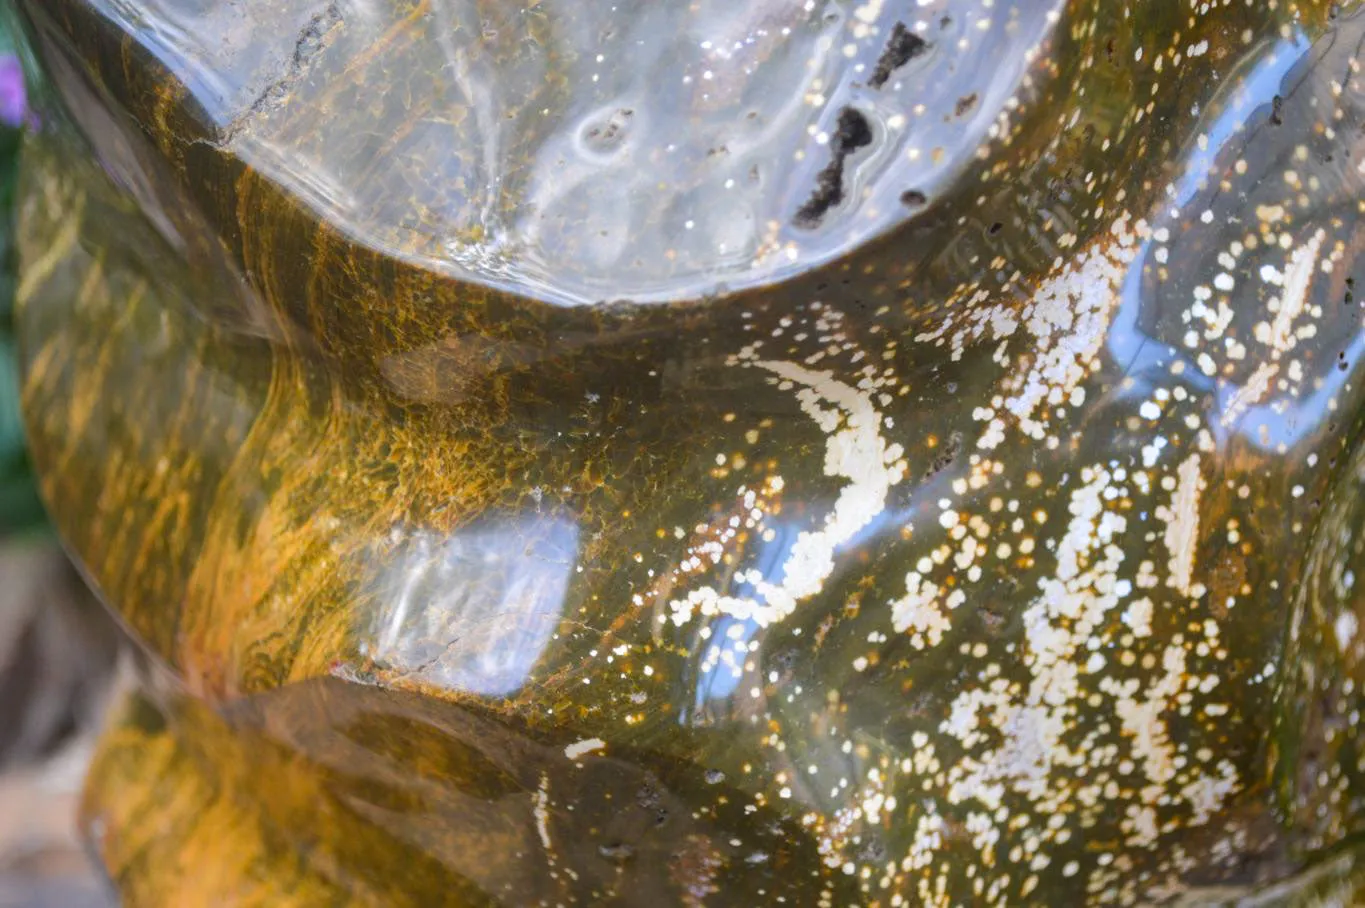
<point x="58" y="648"/>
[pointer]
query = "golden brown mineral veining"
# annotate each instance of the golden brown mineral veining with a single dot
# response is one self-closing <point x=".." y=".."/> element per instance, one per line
<point x="898" y="453"/>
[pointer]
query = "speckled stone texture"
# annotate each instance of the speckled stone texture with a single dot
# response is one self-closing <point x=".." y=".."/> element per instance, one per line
<point x="711" y="454"/>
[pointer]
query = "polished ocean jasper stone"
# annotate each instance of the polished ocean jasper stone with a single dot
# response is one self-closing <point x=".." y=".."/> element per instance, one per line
<point x="725" y="454"/>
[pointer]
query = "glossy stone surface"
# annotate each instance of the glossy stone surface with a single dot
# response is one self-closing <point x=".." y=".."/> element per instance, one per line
<point x="712" y="454"/>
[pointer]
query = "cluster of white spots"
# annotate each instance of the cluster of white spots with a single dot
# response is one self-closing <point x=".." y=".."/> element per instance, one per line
<point x="1067" y="319"/>
<point x="1045" y="741"/>
<point x="1252" y="392"/>
<point x="967" y="321"/>
<point x="1071" y="606"/>
<point x="1085" y="735"/>
<point x="1182" y="524"/>
<point x="710" y="540"/>
<point x="1280" y="334"/>
<point x="1142" y="721"/>
<point x="918" y="612"/>
<point x="1138" y="617"/>
<point x="855" y="450"/>
<point x="1205" y="794"/>
<point x="923" y="611"/>
<point x="1071" y="726"/>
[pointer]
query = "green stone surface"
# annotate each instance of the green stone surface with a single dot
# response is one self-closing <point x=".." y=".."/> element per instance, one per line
<point x="711" y="454"/>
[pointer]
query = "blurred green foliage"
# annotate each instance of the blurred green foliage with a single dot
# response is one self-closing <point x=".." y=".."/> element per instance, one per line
<point x="20" y="508"/>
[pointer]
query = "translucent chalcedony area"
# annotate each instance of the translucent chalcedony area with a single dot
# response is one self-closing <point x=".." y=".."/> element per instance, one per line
<point x="581" y="152"/>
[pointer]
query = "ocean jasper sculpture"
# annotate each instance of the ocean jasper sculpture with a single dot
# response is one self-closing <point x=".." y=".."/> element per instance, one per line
<point x="711" y="454"/>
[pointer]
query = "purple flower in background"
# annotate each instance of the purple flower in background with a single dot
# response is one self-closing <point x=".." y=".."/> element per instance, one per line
<point x="13" y="97"/>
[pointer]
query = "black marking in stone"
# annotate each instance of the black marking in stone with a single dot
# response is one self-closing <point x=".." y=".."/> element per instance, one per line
<point x="903" y="46"/>
<point x="851" y="133"/>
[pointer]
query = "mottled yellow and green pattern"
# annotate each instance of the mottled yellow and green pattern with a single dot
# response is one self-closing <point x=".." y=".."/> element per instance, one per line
<point x="802" y="452"/>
